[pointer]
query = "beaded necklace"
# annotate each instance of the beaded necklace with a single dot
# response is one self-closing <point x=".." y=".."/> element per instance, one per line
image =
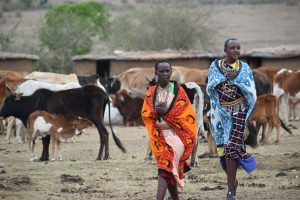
<point x="163" y="93"/>
<point x="229" y="69"/>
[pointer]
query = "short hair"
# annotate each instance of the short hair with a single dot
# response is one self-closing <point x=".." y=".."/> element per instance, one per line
<point x="162" y="61"/>
<point x="227" y="41"/>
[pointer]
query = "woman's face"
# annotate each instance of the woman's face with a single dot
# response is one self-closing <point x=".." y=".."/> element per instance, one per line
<point x="163" y="73"/>
<point x="233" y="50"/>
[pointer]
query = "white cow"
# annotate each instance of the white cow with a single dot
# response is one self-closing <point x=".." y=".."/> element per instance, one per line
<point x="286" y="88"/>
<point x="50" y="77"/>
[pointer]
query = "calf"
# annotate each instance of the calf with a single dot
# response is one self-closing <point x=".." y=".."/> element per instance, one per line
<point x="129" y="107"/>
<point x="42" y="123"/>
<point x="265" y="111"/>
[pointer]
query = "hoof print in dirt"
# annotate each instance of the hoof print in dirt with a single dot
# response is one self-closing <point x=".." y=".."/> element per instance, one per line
<point x="281" y="174"/>
<point x="218" y="187"/>
<point x="71" y="179"/>
<point x="259" y="185"/>
<point x="21" y="180"/>
<point x="295" y="155"/>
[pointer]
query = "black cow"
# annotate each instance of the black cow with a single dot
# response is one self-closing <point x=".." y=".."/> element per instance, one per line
<point x="262" y="86"/>
<point x="88" y="102"/>
<point x="262" y="83"/>
<point x="111" y="85"/>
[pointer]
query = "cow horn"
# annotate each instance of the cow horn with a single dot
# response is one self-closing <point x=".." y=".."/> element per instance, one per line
<point x="9" y="89"/>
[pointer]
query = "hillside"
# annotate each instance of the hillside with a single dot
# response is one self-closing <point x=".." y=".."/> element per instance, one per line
<point x="255" y="25"/>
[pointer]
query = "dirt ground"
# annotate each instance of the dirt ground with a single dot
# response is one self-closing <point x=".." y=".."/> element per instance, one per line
<point x="127" y="176"/>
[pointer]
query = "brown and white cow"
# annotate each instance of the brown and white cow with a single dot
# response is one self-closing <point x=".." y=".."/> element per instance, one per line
<point x="42" y="123"/>
<point x="136" y="80"/>
<point x="129" y="107"/>
<point x="270" y="72"/>
<point x="286" y="88"/>
<point x="11" y="79"/>
<point x="265" y="111"/>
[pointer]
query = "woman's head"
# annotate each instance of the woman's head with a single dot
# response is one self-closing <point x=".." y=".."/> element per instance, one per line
<point x="232" y="50"/>
<point x="163" y="71"/>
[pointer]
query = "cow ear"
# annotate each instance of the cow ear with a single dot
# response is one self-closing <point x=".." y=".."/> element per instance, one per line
<point x="130" y="94"/>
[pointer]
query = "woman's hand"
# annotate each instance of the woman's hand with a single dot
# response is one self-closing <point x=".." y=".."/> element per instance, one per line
<point x="161" y="108"/>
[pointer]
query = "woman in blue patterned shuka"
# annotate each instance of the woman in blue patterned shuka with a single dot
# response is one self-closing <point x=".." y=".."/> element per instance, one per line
<point x="232" y="96"/>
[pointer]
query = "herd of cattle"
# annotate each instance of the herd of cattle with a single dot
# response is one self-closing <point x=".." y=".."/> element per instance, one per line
<point x="50" y="104"/>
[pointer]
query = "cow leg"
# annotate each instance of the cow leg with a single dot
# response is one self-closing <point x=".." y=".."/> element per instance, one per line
<point x="18" y="126"/>
<point x="30" y="143"/>
<point x="53" y="143"/>
<point x="194" y="157"/>
<point x="148" y="154"/>
<point x="278" y="134"/>
<point x="10" y="124"/>
<point x="1" y="126"/>
<point x="31" y="147"/>
<point x="58" y="149"/>
<point x="45" y="153"/>
<point x="74" y="139"/>
<point x="212" y="147"/>
<point x="103" y="141"/>
<point x="258" y="125"/>
<point x="270" y="128"/>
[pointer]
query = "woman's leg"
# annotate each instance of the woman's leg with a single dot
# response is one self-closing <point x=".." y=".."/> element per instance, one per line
<point x="231" y="168"/>
<point x="173" y="191"/>
<point x="161" y="188"/>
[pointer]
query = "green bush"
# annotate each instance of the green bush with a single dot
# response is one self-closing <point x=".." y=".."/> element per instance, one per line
<point x="69" y="30"/>
<point x="160" y="28"/>
<point x="5" y="42"/>
<point x="95" y="14"/>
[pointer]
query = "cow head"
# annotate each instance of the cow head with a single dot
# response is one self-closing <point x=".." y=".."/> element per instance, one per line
<point x="17" y="95"/>
<point x="10" y="106"/>
<point x="112" y="85"/>
<point x="151" y="82"/>
<point x="121" y="96"/>
<point x="81" y="124"/>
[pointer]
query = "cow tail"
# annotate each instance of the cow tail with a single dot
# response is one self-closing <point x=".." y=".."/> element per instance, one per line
<point x="282" y="124"/>
<point x="116" y="139"/>
<point x="251" y="139"/>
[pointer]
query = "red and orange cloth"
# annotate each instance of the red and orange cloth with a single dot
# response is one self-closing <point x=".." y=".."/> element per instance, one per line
<point x="181" y="117"/>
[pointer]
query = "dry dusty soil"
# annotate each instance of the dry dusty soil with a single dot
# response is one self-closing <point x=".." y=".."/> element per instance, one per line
<point x="127" y="176"/>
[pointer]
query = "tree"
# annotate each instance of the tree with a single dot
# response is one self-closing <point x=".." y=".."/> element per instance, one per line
<point x="160" y="28"/>
<point x="69" y="30"/>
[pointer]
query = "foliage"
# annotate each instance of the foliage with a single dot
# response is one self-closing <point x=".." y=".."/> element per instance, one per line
<point x="69" y="30"/>
<point x="160" y="28"/>
<point x="5" y="42"/>
<point x="95" y="14"/>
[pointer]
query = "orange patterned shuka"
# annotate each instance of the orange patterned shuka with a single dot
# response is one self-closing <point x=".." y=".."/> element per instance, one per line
<point x="181" y="117"/>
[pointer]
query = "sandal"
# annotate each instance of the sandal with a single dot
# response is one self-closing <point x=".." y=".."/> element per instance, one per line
<point x="230" y="196"/>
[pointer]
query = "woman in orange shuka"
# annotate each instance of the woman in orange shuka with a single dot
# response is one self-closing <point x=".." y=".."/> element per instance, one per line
<point x="170" y="121"/>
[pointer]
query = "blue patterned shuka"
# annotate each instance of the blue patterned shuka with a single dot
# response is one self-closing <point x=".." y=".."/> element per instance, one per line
<point x="221" y="121"/>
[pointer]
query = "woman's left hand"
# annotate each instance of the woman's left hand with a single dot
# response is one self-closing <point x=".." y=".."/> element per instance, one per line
<point x="161" y="108"/>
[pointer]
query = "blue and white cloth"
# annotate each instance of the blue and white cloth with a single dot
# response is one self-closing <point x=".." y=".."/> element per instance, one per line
<point x="221" y="123"/>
